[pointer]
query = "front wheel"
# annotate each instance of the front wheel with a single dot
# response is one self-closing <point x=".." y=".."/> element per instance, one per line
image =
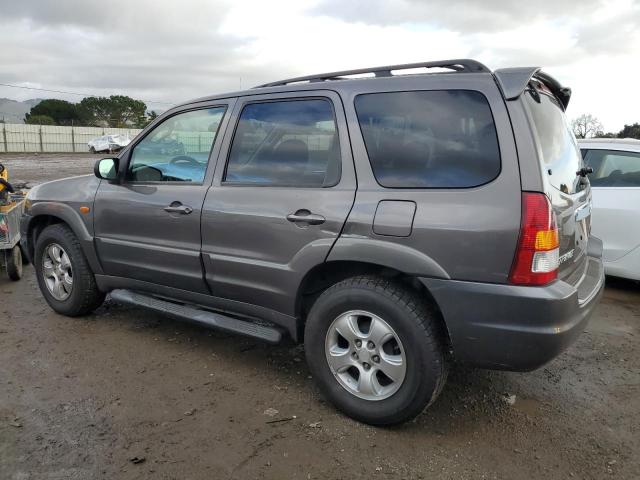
<point x="64" y="276"/>
<point x="376" y="350"/>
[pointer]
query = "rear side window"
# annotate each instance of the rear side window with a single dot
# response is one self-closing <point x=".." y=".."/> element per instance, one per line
<point x="613" y="168"/>
<point x="429" y="139"/>
<point x="287" y="143"/>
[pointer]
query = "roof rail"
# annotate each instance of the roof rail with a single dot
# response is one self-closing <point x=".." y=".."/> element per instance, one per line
<point x="457" y="65"/>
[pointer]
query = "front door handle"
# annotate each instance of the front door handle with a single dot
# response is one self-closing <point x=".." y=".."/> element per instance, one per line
<point x="177" y="207"/>
<point x="305" y="216"/>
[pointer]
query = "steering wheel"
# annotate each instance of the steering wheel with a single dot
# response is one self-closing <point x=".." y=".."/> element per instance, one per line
<point x="184" y="159"/>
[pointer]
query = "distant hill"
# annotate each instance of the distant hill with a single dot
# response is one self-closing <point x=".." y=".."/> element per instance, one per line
<point x="13" y="111"/>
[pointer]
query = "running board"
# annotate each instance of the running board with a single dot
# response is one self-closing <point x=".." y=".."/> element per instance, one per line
<point x="197" y="315"/>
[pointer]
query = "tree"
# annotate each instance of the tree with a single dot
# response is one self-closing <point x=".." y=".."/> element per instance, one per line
<point x="608" y="135"/>
<point x="114" y="111"/>
<point x="60" y="111"/>
<point x="40" y="120"/>
<point x="630" y="131"/>
<point x="150" y="117"/>
<point x="586" y="126"/>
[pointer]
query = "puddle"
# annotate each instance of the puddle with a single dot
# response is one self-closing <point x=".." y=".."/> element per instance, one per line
<point x="530" y="406"/>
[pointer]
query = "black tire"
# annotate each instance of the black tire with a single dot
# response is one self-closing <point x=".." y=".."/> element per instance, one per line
<point x="14" y="263"/>
<point x="416" y="324"/>
<point x="84" y="296"/>
<point x="92" y="150"/>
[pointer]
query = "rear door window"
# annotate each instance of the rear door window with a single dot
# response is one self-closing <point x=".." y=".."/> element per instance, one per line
<point x="613" y="168"/>
<point x="292" y="143"/>
<point x="429" y="139"/>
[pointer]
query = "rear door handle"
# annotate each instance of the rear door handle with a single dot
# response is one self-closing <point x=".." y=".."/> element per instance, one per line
<point x="177" y="207"/>
<point x="305" y="216"/>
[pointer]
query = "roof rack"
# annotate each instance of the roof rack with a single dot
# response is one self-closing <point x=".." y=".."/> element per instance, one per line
<point x="462" y="65"/>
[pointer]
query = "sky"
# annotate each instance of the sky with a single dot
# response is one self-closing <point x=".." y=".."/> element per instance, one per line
<point x="169" y="51"/>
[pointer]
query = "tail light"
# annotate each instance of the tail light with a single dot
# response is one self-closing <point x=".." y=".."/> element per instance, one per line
<point x="537" y="255"/>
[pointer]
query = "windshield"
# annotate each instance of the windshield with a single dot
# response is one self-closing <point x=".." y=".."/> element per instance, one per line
<point x="561" y="157"/>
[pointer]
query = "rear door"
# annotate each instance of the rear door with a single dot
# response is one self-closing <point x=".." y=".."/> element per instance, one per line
<point x="282" y="191"/>
<point x="570" y="193"/>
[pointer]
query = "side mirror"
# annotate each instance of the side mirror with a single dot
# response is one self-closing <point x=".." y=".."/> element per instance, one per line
<point x="106" y="169"/>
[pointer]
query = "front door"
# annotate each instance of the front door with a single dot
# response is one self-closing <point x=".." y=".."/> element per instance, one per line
<point x="147" y="225"/>
<point x="282" y="191"/>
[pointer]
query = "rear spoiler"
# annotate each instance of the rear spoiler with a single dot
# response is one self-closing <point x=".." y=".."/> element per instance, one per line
<point x="513" y="81"/>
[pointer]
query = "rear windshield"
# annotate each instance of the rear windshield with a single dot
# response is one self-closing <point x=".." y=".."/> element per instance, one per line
<point x="429" y="139"/>
<point x="561" y="157"/>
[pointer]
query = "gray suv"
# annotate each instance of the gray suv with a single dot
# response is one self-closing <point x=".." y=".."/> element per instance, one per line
<point x="392" y="222"/>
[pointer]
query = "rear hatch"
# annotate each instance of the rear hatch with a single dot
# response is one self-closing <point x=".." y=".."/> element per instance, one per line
<point x="569" y="192"/>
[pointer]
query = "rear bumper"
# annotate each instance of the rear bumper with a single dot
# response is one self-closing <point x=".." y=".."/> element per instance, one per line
<point x="509" y="327"/>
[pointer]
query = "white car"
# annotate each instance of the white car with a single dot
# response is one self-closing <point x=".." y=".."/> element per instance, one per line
<point x="615" y="184"/>
<point x="108" y="143"/>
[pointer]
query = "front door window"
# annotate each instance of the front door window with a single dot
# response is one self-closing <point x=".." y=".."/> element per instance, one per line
<point x="178" y="149"/>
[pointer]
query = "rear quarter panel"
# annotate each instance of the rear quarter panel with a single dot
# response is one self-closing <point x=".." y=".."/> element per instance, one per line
<point x="464" y="233"/>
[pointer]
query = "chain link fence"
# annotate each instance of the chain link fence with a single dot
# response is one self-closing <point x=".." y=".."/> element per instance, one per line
<point x="16" y="137"/>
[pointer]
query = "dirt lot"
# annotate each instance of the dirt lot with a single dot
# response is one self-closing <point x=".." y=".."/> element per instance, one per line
<point x="42" y="167"/>
<point x="84" y="398"/>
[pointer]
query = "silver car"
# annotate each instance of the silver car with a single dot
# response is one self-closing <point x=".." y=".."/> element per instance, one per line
<point x="108" y="143"/>
<point x="615" y="183"/>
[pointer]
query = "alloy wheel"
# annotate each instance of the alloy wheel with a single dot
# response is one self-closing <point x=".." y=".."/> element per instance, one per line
<point x="365" y="355"/>
<point x="57" y="272"/>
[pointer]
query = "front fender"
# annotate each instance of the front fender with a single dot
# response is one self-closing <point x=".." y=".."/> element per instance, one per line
<point x="70" y="216"/>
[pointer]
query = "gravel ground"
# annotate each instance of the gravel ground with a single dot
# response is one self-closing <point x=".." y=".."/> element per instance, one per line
<point x="42" y="167"/>
<point x="126" y="394"/>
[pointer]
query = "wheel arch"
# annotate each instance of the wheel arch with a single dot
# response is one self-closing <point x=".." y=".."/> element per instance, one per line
<point x="44" y="214"/>
<point x="326" y="274"/>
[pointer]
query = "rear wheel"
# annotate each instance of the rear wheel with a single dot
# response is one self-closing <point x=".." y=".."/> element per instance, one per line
<point x="63" y="273"/>
<point x="14" y="263"/>
<point x="375" y="349"/>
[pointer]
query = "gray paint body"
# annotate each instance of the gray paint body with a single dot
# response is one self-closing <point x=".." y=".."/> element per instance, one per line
<point x="236" y="252"/>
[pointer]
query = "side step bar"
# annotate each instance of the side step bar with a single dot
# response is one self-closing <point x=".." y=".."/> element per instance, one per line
<point x="203" y="317"/>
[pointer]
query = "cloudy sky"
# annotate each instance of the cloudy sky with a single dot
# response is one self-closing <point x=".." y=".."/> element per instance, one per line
<point x="173" y="50"/>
